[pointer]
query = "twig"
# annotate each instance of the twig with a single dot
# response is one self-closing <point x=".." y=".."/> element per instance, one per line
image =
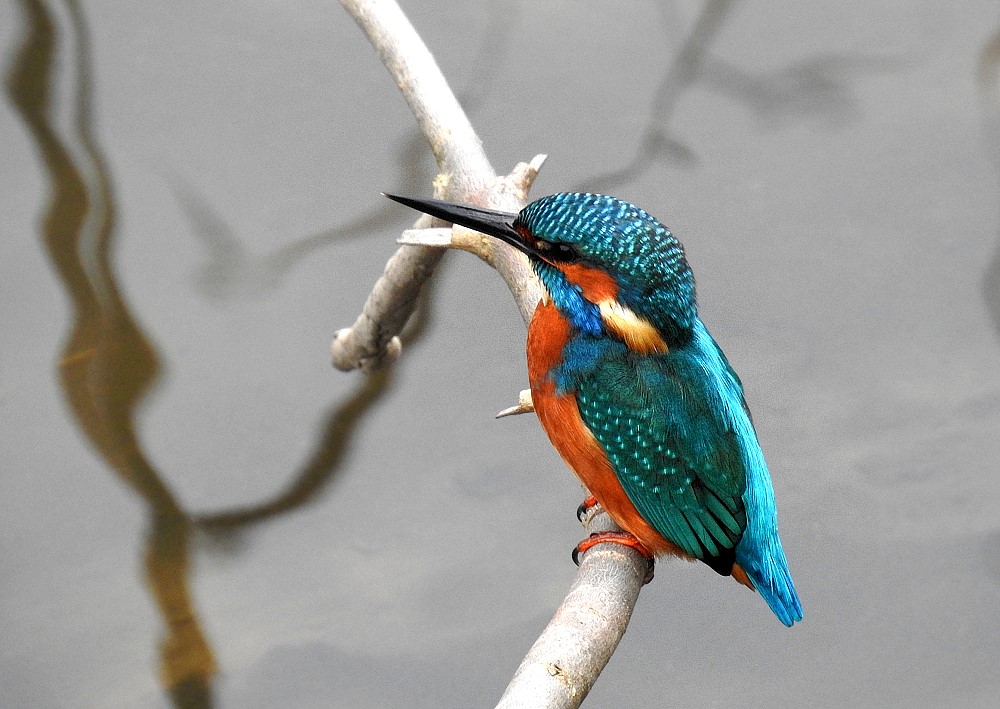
<point x="466" y="174"/>
<point x="563" y="664"/>
<point x="524" y="405"/>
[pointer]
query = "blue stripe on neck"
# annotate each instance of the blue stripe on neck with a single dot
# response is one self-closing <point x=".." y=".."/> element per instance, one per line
<point x="583" y="315"/>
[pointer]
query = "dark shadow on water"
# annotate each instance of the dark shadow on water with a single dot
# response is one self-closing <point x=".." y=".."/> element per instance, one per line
<point x="321" y="467"/>
<point x="657" y="143"/>
<point x="107" y="364"/>
<point x="991" y="554"/>
<point x="988" y="79"/>
<point x="231" y="270"/>
<point x="816" y="87"/>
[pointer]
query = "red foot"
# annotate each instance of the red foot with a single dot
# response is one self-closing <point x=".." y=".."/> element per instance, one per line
<point x="623" y="538"/>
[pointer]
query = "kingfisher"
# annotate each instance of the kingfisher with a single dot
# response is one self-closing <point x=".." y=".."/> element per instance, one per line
<point x="633" y="391"/>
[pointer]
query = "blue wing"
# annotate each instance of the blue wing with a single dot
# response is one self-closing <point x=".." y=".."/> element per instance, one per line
<point x="679" y="437"/>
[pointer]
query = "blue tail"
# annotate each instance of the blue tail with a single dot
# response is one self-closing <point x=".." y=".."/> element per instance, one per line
<point x="759" y="551"/>
<point x="773" y="581"/>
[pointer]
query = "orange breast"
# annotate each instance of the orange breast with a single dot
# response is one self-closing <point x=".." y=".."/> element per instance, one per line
<point x="560" y="417"/>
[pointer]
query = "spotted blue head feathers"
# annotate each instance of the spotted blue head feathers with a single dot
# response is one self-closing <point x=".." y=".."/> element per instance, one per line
<point x="645" y="260"/>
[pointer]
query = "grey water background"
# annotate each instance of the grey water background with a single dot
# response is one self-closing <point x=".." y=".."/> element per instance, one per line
<point x="197" y="511"/>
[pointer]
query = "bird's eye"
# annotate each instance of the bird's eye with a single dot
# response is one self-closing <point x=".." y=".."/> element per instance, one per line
<point x="565" y="252"/>
<point x="554" y="251"/>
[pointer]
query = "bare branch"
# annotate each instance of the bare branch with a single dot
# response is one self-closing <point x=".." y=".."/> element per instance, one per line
<point x="466" y="175"/>
<point x="373" y="339"/>
<point x="456" y="146"/>
<point x="566" y="660"/>
<point x="563" y="664"/>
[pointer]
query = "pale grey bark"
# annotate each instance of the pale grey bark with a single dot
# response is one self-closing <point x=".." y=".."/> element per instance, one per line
<point x="465" y="175"/>
<point x="567" y="658"/>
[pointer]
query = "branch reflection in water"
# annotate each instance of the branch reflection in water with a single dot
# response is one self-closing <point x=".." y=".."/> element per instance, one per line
<point x="108" y="364"/>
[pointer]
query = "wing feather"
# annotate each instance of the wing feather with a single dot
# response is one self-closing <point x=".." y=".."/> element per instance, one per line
<point x="670" y="444"/>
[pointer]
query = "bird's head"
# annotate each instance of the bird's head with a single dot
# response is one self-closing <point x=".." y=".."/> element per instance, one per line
<point x="607" y="265"/>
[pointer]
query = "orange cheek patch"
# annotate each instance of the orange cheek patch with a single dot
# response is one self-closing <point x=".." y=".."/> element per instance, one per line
<point x="595" y="284"/>
<point x="601" y="290"/>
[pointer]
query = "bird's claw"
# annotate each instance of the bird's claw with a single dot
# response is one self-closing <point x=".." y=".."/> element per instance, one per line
<point x="585" y="507"/>
<point x="623" y="538"/>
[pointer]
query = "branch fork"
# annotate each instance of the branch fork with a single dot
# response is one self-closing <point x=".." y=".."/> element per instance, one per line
<point x="567" y="658"/>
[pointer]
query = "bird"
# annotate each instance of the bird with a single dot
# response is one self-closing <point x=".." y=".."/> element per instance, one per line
<point x="633" y="391"/>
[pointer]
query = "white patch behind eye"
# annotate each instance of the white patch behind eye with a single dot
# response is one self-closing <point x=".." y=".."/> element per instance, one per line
<point x="638" y="333"/>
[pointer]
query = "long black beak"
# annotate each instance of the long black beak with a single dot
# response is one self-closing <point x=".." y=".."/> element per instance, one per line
<point x="487" y="221"/>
